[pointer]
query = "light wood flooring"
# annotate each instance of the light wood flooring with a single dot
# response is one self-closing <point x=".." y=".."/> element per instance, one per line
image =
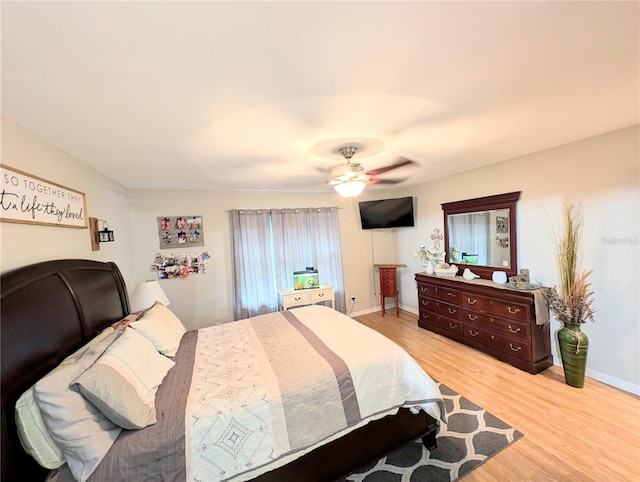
<point x="570" y="434"/>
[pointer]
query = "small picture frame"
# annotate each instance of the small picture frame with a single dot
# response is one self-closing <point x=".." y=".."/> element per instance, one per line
<point x="502" y="224"/>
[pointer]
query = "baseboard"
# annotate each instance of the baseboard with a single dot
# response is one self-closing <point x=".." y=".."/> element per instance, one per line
<point x="409" y="309"/>
<point x="607" y="379"/>
<point x="375" y="309"/>
<point x="595" y="375"/>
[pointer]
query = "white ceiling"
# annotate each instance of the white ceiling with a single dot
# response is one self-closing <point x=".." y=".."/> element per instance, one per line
<point x="257" y="95"/>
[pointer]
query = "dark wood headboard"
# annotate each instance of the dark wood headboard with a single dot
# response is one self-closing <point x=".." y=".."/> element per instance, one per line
<point x="48" y="310"/>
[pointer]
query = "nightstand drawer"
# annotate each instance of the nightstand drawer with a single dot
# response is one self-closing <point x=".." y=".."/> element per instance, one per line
<point x="297" y="298"/>
<point x="288" y="298"/>
<point x="321" y="295"/>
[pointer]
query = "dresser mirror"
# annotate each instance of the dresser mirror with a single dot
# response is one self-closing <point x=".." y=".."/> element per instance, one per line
<point x="483" y="231"/>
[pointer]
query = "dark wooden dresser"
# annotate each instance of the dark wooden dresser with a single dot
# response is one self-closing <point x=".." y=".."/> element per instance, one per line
<point x="496" y="320"/>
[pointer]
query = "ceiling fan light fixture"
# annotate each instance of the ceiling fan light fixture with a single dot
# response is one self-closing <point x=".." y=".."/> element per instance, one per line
<point x="348" y="151"/>
<point x="350" y="188"/>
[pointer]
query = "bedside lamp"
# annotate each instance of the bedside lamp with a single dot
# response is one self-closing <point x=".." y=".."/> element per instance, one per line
<point x="146" y="294"/>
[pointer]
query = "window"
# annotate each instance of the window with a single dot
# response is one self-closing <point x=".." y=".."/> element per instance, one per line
<point x="270" y="244"/>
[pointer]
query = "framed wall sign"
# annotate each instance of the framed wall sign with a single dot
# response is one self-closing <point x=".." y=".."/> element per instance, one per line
<point x="29" y="199"/>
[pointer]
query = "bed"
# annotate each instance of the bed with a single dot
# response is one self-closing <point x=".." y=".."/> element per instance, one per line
<point x="50" y="309"/>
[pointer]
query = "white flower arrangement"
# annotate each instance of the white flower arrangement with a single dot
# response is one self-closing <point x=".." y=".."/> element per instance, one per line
<point x="431" y="254"/>
<point x="455" y="253"/>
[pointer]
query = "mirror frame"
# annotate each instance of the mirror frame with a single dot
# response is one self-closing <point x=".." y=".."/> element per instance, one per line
<point x="487" y="203"/>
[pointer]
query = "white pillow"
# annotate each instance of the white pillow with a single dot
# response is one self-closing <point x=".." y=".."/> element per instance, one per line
<point x="162" y="327"/>
<point x="124" y="381"/>
<point x="33" y="434"/>
<point x="82" y="432"/>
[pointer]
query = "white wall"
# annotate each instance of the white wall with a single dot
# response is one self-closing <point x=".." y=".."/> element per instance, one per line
<point x="601" y="172"/>
<point x="205" y="299"/>
<point x="24" y="244"/>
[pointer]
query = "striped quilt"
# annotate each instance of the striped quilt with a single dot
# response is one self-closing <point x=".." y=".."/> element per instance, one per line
<point x="249" y="396"/>
<point x="269" y="388"/>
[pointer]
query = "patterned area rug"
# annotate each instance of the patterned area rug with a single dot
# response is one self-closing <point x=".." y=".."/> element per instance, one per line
<point x="471" y="437"/>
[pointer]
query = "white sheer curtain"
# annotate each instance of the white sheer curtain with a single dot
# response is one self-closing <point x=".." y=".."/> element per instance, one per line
<point x="269" y="245"/>
<point x="471" y="234"/>
<point x="253" y="275"/>
<point x="324" y="232"/>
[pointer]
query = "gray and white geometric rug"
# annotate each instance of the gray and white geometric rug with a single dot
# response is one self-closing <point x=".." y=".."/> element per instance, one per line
<point x="471" y="437"/>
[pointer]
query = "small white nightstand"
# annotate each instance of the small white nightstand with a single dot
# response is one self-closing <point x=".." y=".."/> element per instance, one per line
<point x="288" y="298"/>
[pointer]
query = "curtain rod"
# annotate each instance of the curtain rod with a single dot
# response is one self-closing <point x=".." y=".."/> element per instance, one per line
<point x="272" y="209"/>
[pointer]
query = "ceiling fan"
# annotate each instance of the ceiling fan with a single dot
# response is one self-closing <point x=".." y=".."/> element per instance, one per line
<point x="350" y="179"/>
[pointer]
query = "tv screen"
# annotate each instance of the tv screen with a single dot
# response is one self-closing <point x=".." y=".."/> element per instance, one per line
<point x="387" y="213"/>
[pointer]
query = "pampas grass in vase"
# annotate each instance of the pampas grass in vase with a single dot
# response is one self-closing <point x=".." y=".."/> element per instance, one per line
<point x="571" y="301"/>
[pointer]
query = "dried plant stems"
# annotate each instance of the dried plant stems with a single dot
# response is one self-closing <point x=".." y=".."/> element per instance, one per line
<point x="572" y="301"/>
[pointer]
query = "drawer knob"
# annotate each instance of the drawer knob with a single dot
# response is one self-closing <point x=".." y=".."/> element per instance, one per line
<point x="320" y="295"/>
<point x="452" y="326"/>
<point x="423" y="289"/>
<point x="472" y="301"/>
<point x="297" y="298"/>
<point x="451" y="310"/>
<point x="517" y="330"/>
<point x="516" y="348"/>
<point x="513" y="312"/>
<point x="472" y="333"/>
<point x="472" y="317"/>
<point x="449" y="293"/>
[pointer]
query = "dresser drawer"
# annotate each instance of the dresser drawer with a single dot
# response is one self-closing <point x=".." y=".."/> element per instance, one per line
<point x="441" y="308"/>
<point x="431" y="291"/>
<point x="510" y="328"/>
<point x="505" y="309"/>
<point x="450" y="311"/>
<point x="450" y="295"/>
<point x="442" y="322"/>
<point x="502" y="343"/>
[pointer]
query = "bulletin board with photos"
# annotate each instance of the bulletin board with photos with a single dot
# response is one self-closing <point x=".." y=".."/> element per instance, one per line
<point x="180" y="231"/>
<point x="180" y="265"/>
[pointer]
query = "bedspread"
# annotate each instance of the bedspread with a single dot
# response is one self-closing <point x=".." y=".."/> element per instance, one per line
<point x="270" y="388"/>
<point x="246" y="397"/>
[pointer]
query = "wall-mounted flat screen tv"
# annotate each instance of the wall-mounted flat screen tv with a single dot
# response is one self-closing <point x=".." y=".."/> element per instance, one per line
<point x="387" y="213"/>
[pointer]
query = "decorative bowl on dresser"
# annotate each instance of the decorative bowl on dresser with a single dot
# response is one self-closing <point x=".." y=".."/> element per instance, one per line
<point x="499" y="321"/>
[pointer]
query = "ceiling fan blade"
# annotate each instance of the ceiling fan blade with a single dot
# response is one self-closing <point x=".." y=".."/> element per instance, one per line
<point x="387" y="181"/>
<point x="401" y="163"/>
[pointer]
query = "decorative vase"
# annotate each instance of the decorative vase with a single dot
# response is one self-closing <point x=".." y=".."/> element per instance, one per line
<point x="429" y="267"/>
<point x="573" y="350"/>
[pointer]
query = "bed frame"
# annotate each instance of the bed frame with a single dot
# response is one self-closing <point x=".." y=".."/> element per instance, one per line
<point x="50" y="309"/>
